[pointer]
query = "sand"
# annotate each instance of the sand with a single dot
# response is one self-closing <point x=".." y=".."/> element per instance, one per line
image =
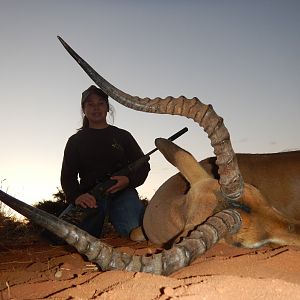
<point x="32" y="268"/>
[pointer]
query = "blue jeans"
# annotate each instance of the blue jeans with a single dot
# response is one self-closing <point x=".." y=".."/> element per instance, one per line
<point x="124" y="209"/>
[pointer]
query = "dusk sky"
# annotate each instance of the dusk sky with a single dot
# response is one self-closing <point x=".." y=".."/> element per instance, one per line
<point x="243" y="57"/>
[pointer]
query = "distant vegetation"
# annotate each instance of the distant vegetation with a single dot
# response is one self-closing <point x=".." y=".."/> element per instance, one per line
<point x="12" y="228"/>
<point x="54" y="206"/>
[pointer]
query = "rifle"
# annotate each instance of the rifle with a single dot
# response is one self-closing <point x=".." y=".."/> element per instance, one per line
<point x="100" y="188"/>
<point x="77" y="214"/>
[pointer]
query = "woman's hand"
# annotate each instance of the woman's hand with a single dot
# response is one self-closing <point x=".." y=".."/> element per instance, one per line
<point x="122" y="183"/>
<point x="86" y="200"/>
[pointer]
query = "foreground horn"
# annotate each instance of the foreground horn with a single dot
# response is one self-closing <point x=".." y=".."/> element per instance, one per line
<point x="107" y="258"/>
<point x="231" y="182"/>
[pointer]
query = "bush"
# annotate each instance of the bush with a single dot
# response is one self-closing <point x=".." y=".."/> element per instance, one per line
<point x="10" y="227"/>
<point x="55" y="206"/>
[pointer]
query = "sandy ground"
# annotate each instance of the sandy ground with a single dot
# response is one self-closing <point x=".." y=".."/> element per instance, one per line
<point x="32" y="268"/>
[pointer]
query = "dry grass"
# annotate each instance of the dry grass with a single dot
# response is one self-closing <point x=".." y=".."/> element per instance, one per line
<point x="11" y="228"/>
<point x="14" y="230"/>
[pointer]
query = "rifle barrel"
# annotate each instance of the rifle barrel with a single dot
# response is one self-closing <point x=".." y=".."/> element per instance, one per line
<point x="171" y="138"/>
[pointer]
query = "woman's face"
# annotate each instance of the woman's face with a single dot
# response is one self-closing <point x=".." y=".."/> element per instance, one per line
<point x="95" y="109"/>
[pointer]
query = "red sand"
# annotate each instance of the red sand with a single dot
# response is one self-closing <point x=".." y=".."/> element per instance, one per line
<point x="38" y="270"/>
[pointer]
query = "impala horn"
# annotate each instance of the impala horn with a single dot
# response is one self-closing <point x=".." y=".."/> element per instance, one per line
<point x="231" y="182"/>
<point x="108" y="258"/>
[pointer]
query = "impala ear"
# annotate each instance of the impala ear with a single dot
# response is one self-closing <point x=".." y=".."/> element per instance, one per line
<point x="184" y="161"/>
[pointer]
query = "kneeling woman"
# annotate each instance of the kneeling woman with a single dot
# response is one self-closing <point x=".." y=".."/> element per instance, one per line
<point x="94" y="153"/>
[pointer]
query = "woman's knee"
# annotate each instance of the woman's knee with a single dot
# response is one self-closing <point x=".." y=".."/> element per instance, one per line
<point x="127" y="213"/>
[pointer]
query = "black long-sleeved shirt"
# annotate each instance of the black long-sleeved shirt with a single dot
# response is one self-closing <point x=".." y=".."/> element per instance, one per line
<point x="94" y="154"/>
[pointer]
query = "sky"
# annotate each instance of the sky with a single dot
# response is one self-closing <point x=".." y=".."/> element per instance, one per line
<point x="243" y="57"/>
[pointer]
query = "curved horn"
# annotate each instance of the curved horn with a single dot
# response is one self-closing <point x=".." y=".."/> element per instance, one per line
<point x="231" y="182"/>
<point x="108" y="258"/>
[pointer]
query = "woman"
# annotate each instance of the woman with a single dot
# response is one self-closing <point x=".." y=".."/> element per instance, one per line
<point x="94" y="153"/>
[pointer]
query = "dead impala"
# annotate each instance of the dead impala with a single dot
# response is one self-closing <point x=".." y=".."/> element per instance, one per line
<point x="252" y="200"/>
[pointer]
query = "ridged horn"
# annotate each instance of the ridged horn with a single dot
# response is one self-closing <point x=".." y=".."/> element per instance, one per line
<point x="231" y="182"/>
<point x="108" y="258"/>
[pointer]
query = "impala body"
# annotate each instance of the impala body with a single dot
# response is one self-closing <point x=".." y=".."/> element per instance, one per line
<point x="275" y="175"/>
<point x="269" y="206"/>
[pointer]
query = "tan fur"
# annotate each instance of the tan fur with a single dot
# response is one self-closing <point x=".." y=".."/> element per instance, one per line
<point x="272" y="192"/>
<point x="264" y="224"/>
<point x="170" y="212"/>
<point x="275" y="175"/>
